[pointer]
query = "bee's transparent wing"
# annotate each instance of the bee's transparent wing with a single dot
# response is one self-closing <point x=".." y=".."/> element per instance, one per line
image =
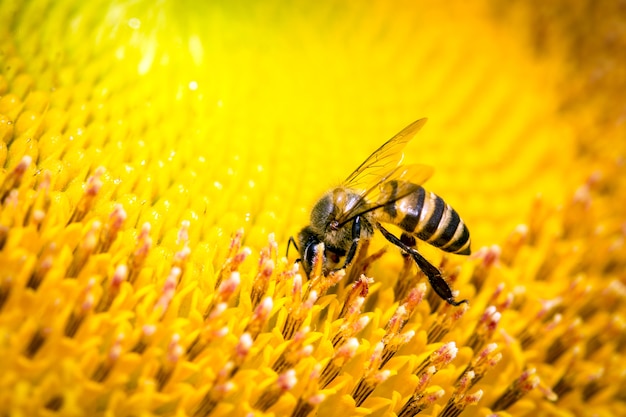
<point x="396" y="184"/>
<point x="377" y="167"/>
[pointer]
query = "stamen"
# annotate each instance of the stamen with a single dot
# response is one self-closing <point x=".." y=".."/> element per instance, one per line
<point x="513" y="244"/>
<point x="527" y="381"/>
<point x="298" y="310"/>
<point x="489" y="258"/>
<point x="167" y="293"/>
<point x="310" y="397"/>
<point x="480" y="364"/>
<point x="147" y="331"/>
<point x="85" y="204"/>
<point x="112" y="228"/>
<point x="224" y="292"/>
<point x="439" y="358"/>
<point x="110" y="292"/>
<point x="372" y="376"/>
<point x="172" y="359"/>
<point x="420" y="402"/>
<point x="37" y="340"/>
<point x="46" y="261"/>
<point x="220" y="388"/>
<point x="83" y="306"/>
<point x="14" y="179"/>
<point x="457" y="405"/>
<point x="484" y="329"/>
<point x="236" y="255"/>
<point x="260" y="317"/>
<point x="106" y="365"/>
<point x="444" y="321"/>
<point x="138" y="257"/>
<point x="86" y="247"/>
<point x="261" y="281"/>
<point x="341" y="357"/>
<point x="270" y="396"/>
<point x="392" y="339"/>
<point x="295" y="351"/>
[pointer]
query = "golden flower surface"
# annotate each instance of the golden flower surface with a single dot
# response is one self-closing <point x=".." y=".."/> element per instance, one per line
<point x="157" y="157"/>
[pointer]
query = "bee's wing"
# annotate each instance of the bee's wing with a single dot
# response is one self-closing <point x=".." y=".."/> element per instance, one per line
<point x="376" y="168"/>
<point x="406" y="179"/>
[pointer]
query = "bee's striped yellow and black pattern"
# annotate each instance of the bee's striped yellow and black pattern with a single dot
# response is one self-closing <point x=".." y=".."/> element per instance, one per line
<point x="426" y="216"/>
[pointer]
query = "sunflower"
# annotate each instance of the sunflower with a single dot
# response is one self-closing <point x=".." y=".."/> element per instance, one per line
<point x="156" y="158"/>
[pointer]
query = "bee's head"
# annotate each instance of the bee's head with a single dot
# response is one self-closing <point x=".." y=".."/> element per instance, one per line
<point x="325" y="227"/>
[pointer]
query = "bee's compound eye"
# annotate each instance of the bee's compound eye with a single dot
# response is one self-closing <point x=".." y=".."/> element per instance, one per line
<point x="309" y="256"/>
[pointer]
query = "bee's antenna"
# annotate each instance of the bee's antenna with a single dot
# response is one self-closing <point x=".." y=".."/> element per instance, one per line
<point x="290" y="242"/>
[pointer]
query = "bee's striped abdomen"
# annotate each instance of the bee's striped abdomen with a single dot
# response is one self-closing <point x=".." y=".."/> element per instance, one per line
<point x="428" y="217"/>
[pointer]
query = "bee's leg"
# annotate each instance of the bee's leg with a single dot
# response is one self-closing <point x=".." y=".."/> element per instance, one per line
<point x="439" y="284"/>
<point x="356" y="236"/>
<point x="408" y="240"/>
<point x="290" y="242"/>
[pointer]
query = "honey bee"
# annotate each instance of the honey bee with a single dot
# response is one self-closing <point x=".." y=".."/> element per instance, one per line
<point x="382" y="190"/>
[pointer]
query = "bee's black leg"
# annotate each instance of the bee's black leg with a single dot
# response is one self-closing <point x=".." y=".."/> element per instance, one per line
<point x="290" y="242"/>
<point x="356" y="236"/>
<point x="408" y="240"/>
<point x="439" y="284"/>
